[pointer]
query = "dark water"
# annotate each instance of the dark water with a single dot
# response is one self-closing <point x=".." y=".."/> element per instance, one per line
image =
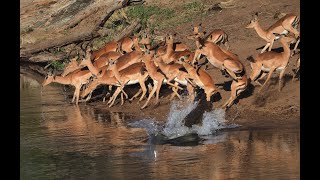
<point x="59" y="140"/>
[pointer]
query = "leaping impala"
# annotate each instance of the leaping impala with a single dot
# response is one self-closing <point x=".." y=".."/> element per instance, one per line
<point x="226" y="62"/>
<point x="200" y="77"/>
<point x="76" y="79"/>
<point x="99" y="63"/>
<point x="270" y="61"/>
<point x="161" y="48"/>
<point x="133" y="74"/>
<point x="126" y="44"/>
<point x="175" y="72"/>
<point x="72" y="66"/>
<point x="109" y="79"/>
<point x="173" y="56"/>
<point x="217" y="36"/>
<point x="123" y="61"/>
<point x="110" y="46"/>
<point x="157" y="77"/>
<point x="288" y="23"/>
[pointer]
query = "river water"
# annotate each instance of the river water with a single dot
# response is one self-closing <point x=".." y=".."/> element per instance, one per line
<point x="59" y="140"/>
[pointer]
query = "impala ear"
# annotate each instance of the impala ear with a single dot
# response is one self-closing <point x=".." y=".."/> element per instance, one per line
<point x="255" y="17"/>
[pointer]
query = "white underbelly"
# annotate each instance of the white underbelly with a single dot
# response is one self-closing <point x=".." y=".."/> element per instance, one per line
<point x="132" y="82"/>
<point x="285" y="32"/>
<point x="268" y="69"/>
<point x="183" y="82"/>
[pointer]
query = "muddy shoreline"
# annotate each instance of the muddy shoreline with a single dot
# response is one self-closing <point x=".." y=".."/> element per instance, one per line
<point x="272" y="115"/>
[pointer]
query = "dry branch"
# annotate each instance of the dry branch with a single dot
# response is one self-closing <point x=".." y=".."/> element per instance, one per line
<point x="83" y="26"/>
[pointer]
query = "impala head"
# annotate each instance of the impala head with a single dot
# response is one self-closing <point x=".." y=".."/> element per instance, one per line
<point x="111" y="63"/>
<point x="195" y="29"/>
<point x="197" y="35"/>
<point x="72" y="65"/>
<point x="169" y="37"/>
<point x="184" y="58"/>
<point x="49" y="78"/>
<point x="253" y="22"/>
<point x="145" y="39"/>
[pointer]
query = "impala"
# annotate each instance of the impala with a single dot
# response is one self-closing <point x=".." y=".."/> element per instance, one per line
<point x="71" y="67"/>
<point x="288" y="23"/>
<point x="135" y="73"/>
<point x="270" y="61"/>
<point x="76" y="79"/>
<point x="225" y="61"/>
<point x="200" y="77"/>
<point x="110" y="46"/>
<point x="217" y="36"/>
<point x="172" y="56"/>
<point x="125" y="44"/>
<point x="157" y="77"/>
<point x="176" y="72"/>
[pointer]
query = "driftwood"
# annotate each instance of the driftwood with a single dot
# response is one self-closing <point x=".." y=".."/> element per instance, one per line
<point x="47" y="24"/>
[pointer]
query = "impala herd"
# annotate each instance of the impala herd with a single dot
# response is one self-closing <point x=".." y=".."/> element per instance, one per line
<point x="133" y="60"/>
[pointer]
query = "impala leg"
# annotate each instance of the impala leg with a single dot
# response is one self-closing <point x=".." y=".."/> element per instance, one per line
<point x="256" y="70"/>
<point x="268" y="78"/>
<point x="122" y="101"/>
<point x="265" y="47"/>
<point x="89" y="96"/>
<point x="175" y="92"/>
<point x="196" y="56"/>
<point x="150" y="88"/>
<point x="116" y="93"/>
<point x="77" y="94"/>
<point x="262" y="76"/>
<point x="174" y="85"/>
<point x="236" y="89"/>
<point x="124" y="93"/>
<point x="158" y="90"/>
<point x="280" y="78"/>
<point x="271" y="44"/>
<point x="296" y="45"/>
<point x="136" y="95"/>
<point x="151" y="94"/>
<point x="232" y="97"/>
<point x="113" y="96"/>
<point x="143" y="87"/>
<point x="74" y="96"/>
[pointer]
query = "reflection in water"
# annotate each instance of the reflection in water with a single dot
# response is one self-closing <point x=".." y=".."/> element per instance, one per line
<point x="59" y="140"/>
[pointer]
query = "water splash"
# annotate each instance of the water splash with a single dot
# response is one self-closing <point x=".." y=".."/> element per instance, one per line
<point x="151" y="125"/>
<point x="175" y="123"/>
<point x="211" y="122"/>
